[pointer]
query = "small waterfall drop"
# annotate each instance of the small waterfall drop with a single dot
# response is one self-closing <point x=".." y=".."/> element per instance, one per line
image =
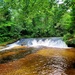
<point x="54" y="42"/>
<point x="36" y="42"/>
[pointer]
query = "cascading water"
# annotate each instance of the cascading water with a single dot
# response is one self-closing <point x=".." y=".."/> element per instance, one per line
<point x="55" y="42"/>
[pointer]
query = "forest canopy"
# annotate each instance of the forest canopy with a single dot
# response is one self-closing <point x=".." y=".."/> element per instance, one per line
<point x="37" y="18"/>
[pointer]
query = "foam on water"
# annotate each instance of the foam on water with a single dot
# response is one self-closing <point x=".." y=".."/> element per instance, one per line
<point x="48" y="43"/>
<point x="10" y="46"/>
<point x="37" y="42"/>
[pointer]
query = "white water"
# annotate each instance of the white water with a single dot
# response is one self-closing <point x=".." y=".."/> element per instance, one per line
<point x="48" y="43"/>
<point x="10" y="46"/>
<point x="34" y="42"/>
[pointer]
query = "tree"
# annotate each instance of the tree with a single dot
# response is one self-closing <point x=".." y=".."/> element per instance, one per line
<point x="36" y="18"/>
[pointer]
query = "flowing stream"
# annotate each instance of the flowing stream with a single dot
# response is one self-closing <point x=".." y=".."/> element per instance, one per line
<point x="48" y="42"/>
<point x="42" y="56"/>
<point x="38" y="42"/>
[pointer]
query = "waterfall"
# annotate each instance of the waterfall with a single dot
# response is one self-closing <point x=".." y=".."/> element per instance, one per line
<point x="35" y="42"/>
<point x="54" y="42"/>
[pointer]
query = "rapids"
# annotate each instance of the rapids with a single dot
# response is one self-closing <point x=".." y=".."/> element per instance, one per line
<point x="54" y="42"/>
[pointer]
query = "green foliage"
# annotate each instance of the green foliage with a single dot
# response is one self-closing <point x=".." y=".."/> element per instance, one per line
<point x="36" y="18"/>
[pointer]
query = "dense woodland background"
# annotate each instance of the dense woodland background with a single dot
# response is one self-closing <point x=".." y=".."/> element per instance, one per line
<point x="37" y="18"/>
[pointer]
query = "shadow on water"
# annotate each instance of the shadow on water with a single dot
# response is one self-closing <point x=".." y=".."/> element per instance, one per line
<point x="15" y="54"/>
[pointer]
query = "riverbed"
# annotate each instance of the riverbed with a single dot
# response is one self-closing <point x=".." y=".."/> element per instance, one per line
<point x="37" y="61"/>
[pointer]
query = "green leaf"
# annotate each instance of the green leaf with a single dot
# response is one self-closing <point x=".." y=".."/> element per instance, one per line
<point x="7" y="0"/>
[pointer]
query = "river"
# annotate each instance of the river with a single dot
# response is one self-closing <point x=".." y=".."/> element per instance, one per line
<point x="44" y="61"/>
<point x="24" y="60"/>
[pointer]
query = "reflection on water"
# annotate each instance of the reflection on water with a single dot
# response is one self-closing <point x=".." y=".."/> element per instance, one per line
<point x="44" y="61"/>
<point x="15" y="54"/>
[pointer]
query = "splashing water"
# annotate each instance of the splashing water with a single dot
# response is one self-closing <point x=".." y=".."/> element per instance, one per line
<point x="48" y="43"/>
<point x="37" y="42"/>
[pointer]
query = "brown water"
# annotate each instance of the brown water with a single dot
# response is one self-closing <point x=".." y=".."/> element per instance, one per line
<point x="42" y="61"/>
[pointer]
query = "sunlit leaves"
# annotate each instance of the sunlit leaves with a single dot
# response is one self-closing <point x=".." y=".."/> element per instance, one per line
<point x="66" y="22"/>
<point x="7" y="0"/>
